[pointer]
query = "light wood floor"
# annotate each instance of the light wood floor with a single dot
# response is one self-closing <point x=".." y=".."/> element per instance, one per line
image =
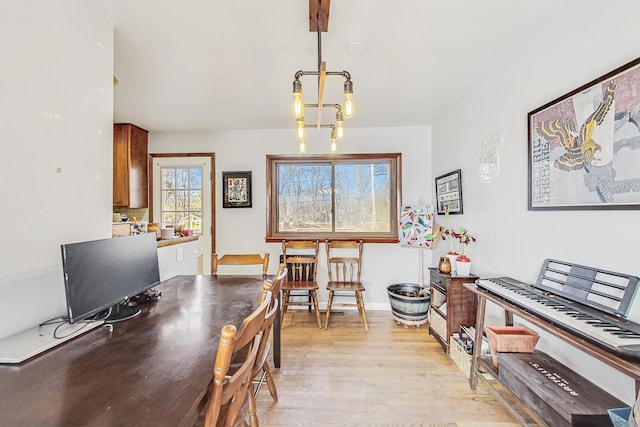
<point x="391" y="375"/>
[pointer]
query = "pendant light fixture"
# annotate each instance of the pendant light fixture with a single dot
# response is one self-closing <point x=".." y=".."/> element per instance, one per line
<point x="299" y="107"/>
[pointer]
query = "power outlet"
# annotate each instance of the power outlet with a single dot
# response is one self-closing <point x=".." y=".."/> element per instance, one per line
<point x="179" y="255"/>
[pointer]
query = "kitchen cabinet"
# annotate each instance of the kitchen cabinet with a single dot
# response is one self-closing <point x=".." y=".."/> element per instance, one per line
<point x="130" y="166"/>
<point x="452" y="305"/>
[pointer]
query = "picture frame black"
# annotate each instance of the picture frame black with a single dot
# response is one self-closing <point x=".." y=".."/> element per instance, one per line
<point x="236" y="189"/>
<point x="584" y="147"/>
<point x="449" y="193"/>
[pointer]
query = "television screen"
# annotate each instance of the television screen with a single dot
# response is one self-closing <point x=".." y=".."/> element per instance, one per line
<point x="100" y="274"/>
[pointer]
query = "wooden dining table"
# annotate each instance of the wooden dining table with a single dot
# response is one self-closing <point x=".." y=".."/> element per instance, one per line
<point x="152" y="370"/>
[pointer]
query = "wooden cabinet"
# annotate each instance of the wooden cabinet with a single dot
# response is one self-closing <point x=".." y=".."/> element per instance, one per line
<point x="130" y="166"/>
<point x="451" y="305"/>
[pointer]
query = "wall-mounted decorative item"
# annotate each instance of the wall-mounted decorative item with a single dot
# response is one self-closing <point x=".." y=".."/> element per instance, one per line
<point x="449" y="193"/>
<point x="489" y="154"/>
<point x="417" y="231"/>
<point x="416" y="226"/>
<point x="236" y="188"/>
<point x="584" y="147"/>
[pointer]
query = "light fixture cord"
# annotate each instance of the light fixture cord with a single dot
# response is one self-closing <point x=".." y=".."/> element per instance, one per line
<point x="319" y="22"/>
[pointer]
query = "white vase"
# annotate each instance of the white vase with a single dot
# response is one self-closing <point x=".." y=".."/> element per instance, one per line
<point x="463" y="268"/>
<point x="452" y="261"/>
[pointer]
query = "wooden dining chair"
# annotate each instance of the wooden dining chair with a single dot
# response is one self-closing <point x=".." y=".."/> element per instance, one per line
<point x="344" y="265"/>
<point x="261" y="369"/>
<point x="240" y="259"/>
<point x="230" y="398"/>
<point x="301" y="276"/>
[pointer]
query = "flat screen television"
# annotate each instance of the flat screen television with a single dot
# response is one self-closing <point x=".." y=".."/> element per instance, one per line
<point x="100" y="275"/>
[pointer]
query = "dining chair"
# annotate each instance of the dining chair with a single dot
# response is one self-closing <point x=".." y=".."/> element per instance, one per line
<point x="261" y="369"/>
<point x="240" y="259"/>
<point x="231" y="394"/>
<point x="303" y="248"/>
<point x="344" y="265"/>
<point x="301" y="276"/>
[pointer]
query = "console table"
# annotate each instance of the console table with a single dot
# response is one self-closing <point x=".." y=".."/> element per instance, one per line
<point x="154" y="369"/>
<point x="451" y="305"/>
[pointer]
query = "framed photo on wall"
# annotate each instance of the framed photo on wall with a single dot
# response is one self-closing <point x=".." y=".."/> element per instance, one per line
<point x="584" y="147"/>
<point x="449" y="193"/>
<point x="236" y="189"/>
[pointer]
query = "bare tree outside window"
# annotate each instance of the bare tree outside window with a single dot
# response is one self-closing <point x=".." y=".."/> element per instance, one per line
<point x="337" y="196"/>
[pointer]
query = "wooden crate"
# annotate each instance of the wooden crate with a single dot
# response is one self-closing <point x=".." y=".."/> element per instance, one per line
<point x="560" y="396"/>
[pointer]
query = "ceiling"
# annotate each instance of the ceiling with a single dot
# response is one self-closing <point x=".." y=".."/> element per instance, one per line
<point x="201" y="65"/>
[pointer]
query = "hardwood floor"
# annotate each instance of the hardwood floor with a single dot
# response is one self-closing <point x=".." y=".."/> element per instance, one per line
<point x="391" y="375"/>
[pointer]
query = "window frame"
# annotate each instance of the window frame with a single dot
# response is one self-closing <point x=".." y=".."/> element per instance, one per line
<point x="272" y="233"/>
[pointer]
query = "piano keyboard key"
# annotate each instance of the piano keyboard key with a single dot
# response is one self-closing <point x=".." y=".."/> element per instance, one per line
<point x="562" y="313"/>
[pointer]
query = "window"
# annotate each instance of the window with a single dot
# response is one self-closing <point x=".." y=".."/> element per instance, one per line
<point x="333" y="196"/>
<point x="182" y="197"/>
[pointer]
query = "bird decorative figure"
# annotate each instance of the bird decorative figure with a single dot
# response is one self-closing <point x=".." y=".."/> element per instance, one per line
<point x="580" y="148"/>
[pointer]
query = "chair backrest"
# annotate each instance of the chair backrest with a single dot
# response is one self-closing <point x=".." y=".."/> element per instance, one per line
<point x="263" y="347"/>
<point x="281" y="275"/>
<point x="240" y="259"/>
<point x="229" y="392"/>
<point x="301" y="267"/>
<point x="274" y="286"/>
<point x="344" y="260"/>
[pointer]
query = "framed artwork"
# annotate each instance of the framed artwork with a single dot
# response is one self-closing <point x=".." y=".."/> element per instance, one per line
<point x="236" y="189"/>
<point x="416" y="226"/>
<point x="584" y="147"/>
<point x="449" y="193"/>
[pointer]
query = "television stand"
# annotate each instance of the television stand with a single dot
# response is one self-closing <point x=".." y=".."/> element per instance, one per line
<point x="118" y="313"/>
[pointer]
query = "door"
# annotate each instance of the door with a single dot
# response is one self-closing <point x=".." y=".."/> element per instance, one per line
<point x="182" y="194"/>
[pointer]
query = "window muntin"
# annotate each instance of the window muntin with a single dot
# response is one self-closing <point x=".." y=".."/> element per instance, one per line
<point x="333" y="196"/>
<point x="182" y="197"/>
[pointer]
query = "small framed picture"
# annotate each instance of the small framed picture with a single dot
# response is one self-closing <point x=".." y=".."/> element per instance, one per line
<point x="236" y="189"/>
<point x="449" y="193"/>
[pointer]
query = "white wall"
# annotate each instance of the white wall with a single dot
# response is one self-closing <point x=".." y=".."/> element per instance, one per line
<point x="513" y="241"/>
<point x="243" y="230"/>
<point x="56" y="112"/>
<point x="176" y="260"/>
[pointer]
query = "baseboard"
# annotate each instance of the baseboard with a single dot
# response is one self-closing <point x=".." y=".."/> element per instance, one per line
<point x="368" y="306"/>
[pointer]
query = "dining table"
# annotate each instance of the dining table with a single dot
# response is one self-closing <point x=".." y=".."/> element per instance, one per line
<point x="155" y="369"/>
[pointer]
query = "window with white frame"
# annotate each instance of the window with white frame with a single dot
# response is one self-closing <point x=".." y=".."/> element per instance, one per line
<point x="182" y="197"/>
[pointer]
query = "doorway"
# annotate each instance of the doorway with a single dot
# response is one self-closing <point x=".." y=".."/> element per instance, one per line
<point x="182" y="193"/>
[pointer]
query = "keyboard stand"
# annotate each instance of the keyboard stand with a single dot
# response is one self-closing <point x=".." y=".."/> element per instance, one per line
<point x="477" y="362"/>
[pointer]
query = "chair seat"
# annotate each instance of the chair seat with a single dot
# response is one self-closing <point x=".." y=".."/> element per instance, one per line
<point x="345" y="286"/>
<point x="300" y="285"/>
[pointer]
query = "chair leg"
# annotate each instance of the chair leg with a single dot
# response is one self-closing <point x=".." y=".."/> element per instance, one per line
<point x="253" y="411"/>
<point x="271" y="384"/>
<point x="314" y="297"/>
<point x="285" y="301"/>
<point x="326" y="317"/>
<point x="360" y="301"/>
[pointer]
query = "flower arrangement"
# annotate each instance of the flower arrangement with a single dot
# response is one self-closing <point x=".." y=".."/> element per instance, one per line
<point x="464" y="238"/>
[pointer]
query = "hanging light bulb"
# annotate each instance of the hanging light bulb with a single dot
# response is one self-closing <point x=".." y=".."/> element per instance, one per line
<point x="349" y="107"/>
<point x="339" y="125"/>
<point x="334" y="145"/>
<point x="303" y="147"/>
<point x="300" y="128"/>
<point x="298" y="105"/>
